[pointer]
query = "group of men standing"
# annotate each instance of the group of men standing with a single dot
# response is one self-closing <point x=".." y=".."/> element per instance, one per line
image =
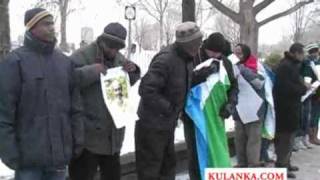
<point x="52" y="112"/>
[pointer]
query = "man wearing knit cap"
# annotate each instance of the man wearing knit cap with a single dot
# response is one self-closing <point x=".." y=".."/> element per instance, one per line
<point x="103" y="141"/>
<point x="215" y="46"/>
<point x="40" y="109"/>
<point x="163" y="91"/>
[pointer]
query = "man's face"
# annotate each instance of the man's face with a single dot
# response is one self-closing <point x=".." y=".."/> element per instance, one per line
<point x="299" y="56"/>
<point x="213" y="54"/>
<point x="238" y="52"/>
<point x="108" y="52"/>
<point x="44" y="29"/>
<point x="315" y="54"/>
<point x="192" y="48"/>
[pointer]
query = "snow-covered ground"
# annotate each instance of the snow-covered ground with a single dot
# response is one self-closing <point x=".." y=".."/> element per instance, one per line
<point x="5" y="173"/>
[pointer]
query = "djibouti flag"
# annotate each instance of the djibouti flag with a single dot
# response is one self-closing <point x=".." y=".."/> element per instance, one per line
<point x="203" y="105"/>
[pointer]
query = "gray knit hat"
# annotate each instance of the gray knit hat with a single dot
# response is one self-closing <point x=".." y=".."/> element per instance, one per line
<point x="115" y="34"/>
<point x="187" y="32"/>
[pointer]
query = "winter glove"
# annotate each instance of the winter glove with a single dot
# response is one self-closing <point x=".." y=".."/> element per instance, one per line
<point x="129" y="66"/>
<point x="227" y="111"/>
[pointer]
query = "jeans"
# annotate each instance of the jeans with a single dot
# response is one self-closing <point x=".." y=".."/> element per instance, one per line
<point x="305" y="118"/>
<point x="315" y="113"/>
<point x="40" y="174"/>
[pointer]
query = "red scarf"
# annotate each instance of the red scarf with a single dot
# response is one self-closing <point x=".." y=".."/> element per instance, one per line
<point x="252" y="63"/>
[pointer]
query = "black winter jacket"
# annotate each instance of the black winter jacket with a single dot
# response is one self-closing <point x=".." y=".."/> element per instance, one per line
<point x="288" y="90"/>
<point x="164" y="88"/>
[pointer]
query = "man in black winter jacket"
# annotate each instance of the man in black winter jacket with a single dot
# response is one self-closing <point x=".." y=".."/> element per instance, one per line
<point x="163" y="92"/>
<point x="288" y="90"/>
<point x="40" y="109"/>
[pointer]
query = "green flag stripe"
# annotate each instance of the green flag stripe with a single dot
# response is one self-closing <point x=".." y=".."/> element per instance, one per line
<point x="218" y="155"/>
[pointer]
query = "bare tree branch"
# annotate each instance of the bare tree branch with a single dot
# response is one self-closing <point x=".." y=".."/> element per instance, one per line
<point x="149" y="12"/>
<point x="156" y="5"/>
<point x="149" y="6"/>
<point x="225" y="10"/>
<point x="259" y="7"/>
<point x="166" y="2"/>
<point x="284" y="13"/>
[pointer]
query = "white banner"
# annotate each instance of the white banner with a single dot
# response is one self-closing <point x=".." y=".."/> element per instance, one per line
<point x="121" y="100"/>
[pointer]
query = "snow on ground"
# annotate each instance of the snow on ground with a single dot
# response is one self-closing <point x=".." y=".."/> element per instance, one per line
<point x="5" y="173"/>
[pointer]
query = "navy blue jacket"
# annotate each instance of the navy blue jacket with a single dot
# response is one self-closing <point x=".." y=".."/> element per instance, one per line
<point x="40" y="108"/>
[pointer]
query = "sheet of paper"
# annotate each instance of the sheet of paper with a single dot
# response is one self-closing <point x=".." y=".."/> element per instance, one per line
<point x="314" y="87"/>
<point x="119" y="96"/>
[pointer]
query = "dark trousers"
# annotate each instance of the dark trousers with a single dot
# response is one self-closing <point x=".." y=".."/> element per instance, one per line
<point x="86" y="166"/>
<point x="190" y="137"/>
<point x="155" y="153"/>
<point x="283" y="146"/>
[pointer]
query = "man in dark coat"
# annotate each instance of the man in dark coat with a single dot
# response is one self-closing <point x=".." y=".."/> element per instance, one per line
<point x="311" y="106"/>
<point x="214" y="47"/>
<point x="163" y="92"/>
<point x="288" y="90"/>
<point x="103" y="141"/>
<point x="40" y="109"/>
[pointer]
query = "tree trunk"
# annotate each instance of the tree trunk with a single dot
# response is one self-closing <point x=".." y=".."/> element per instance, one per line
<point x="249" y="33"/>
<point x="63" y="27"/>
<point x="188" y="10"/>
<point x="5" y="44"/>
<point x="249" y="28"/>
<point x="161" y="30"/>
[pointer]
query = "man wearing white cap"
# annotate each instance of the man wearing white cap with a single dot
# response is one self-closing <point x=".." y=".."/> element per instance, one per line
<point x="163" y="91"/>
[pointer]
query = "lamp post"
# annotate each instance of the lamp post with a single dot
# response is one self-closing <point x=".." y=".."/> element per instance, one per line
<point x="130" y="14"/>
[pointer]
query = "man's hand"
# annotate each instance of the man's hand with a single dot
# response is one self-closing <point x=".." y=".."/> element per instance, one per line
<point x="100" y="68"/>
<point x="227" y="111"/>
<point x="308" y="85"/>
<point x="129" y="66"/>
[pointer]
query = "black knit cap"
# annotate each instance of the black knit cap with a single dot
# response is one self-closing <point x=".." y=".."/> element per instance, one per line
<point x="215" y="42"/>
<point x="33" y="16"/>
<point x="114" y="35"/>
